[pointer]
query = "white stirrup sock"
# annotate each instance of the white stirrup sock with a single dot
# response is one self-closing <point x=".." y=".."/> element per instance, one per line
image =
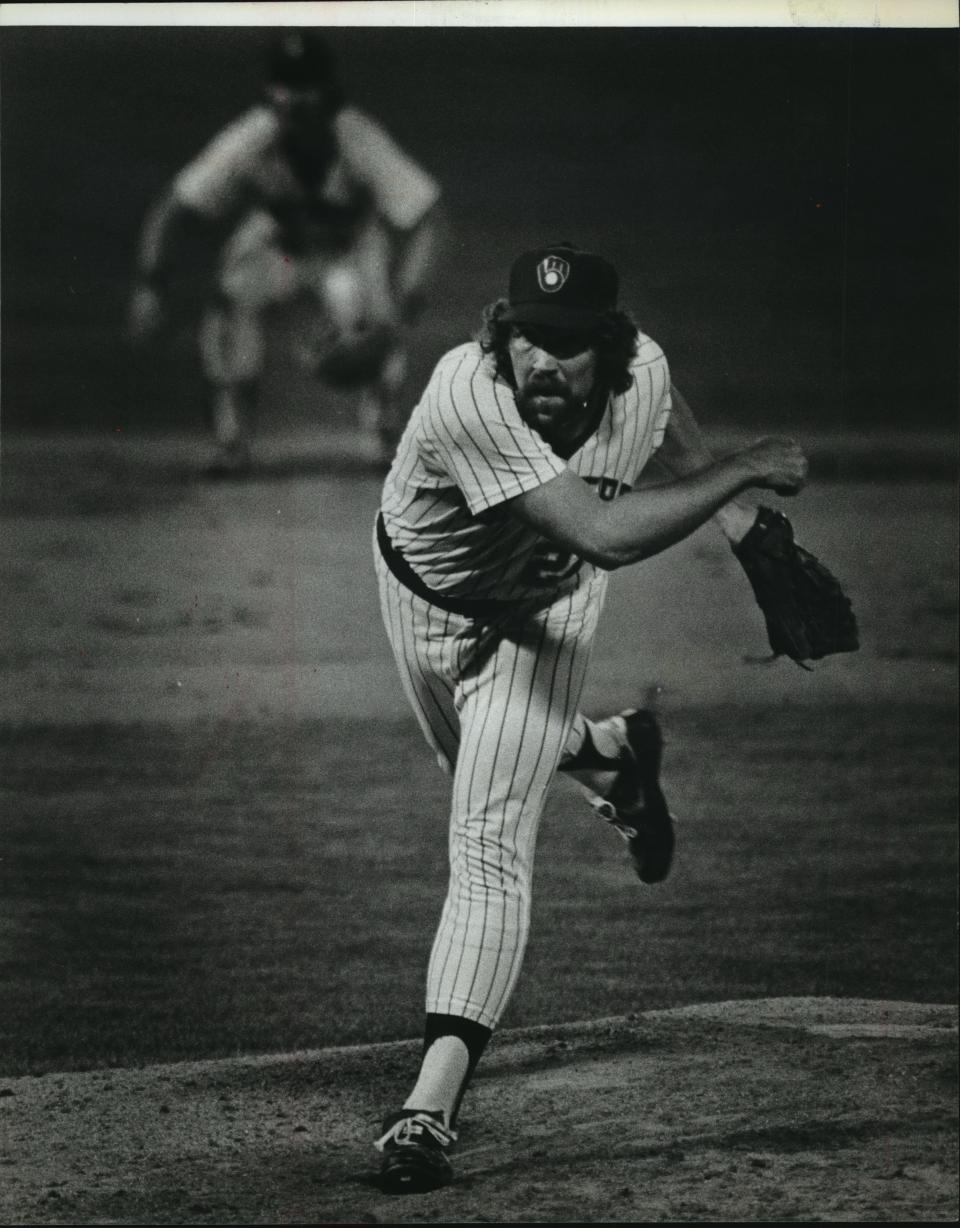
<point x="442" y="1072"/>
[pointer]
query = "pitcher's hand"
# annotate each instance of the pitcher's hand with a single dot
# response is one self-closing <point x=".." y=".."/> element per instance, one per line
<point x="776" y="464"/>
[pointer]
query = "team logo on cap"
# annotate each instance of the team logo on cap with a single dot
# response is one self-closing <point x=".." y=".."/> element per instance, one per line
<point x="552" y="273"/>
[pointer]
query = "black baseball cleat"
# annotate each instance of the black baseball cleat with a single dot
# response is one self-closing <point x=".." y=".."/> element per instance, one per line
<point x="635" y="804"/>
<point x="414" y="1147"/>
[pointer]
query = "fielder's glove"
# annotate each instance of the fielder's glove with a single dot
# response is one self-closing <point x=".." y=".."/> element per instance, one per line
<point x="808" y="615"/>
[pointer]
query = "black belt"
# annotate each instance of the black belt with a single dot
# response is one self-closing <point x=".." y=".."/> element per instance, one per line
<point x="465" y="606"/>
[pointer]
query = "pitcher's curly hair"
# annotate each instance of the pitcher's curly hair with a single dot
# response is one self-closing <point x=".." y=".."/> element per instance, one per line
<point x="615" y="344"/>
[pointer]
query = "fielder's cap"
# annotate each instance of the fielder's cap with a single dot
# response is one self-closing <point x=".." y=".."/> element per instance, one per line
<point x="301" y="59"/>
<point x="561" y="287"/>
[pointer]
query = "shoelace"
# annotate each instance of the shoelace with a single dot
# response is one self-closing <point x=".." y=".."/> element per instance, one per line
<point x="407" y="1129"/>
<point x="628" y="826"/>
<point x="608" y="812"/>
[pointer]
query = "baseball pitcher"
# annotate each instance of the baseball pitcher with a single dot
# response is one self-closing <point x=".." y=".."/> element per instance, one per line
<point x="512" y="496"/>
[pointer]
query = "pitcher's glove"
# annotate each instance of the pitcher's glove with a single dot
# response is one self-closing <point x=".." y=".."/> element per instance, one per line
<point x="808" y="615"/>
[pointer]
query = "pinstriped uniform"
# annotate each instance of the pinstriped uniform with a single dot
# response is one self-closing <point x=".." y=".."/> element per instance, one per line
<point x="495" y="691"/>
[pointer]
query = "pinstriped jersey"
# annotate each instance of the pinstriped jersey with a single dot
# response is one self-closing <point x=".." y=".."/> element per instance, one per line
<point x="467" y="451"/>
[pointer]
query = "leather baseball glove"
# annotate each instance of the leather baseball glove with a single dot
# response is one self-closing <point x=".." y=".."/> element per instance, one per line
<point x="808" y="615"/>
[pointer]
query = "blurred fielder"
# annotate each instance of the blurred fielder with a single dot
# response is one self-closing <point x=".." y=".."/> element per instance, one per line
<point x="326" y="216"/>
<point x="509" y="500"/>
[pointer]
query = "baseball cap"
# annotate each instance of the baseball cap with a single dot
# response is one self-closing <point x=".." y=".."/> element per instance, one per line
<point x="561" y="286"/>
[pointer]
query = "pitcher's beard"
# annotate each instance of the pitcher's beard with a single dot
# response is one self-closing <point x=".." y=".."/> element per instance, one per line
<point x="545" y="406"/>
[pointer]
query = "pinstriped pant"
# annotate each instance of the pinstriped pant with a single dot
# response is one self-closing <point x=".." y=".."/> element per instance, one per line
<point x="496" y="703"/>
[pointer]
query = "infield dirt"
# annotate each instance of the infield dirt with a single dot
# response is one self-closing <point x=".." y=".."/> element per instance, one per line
<point x="771" y="1110"/>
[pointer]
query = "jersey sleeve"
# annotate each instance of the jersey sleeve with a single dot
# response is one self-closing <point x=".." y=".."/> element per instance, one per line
<point x="652" y="401"/>
<point x="661" y="414"/>
<point x="216" y="182"/>
<point x="402" y="191"/>
<point x="479" y="439"/>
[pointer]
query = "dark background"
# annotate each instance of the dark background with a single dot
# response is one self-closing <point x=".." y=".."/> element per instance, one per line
<point x="782" y="203"/>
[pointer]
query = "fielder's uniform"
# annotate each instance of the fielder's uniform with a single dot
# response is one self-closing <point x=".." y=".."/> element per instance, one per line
<point x="323" y="232"/>
<point x="492" y="628"/>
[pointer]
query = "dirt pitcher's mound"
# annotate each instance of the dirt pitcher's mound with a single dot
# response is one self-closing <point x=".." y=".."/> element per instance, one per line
<point x="779" y="1109"/>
